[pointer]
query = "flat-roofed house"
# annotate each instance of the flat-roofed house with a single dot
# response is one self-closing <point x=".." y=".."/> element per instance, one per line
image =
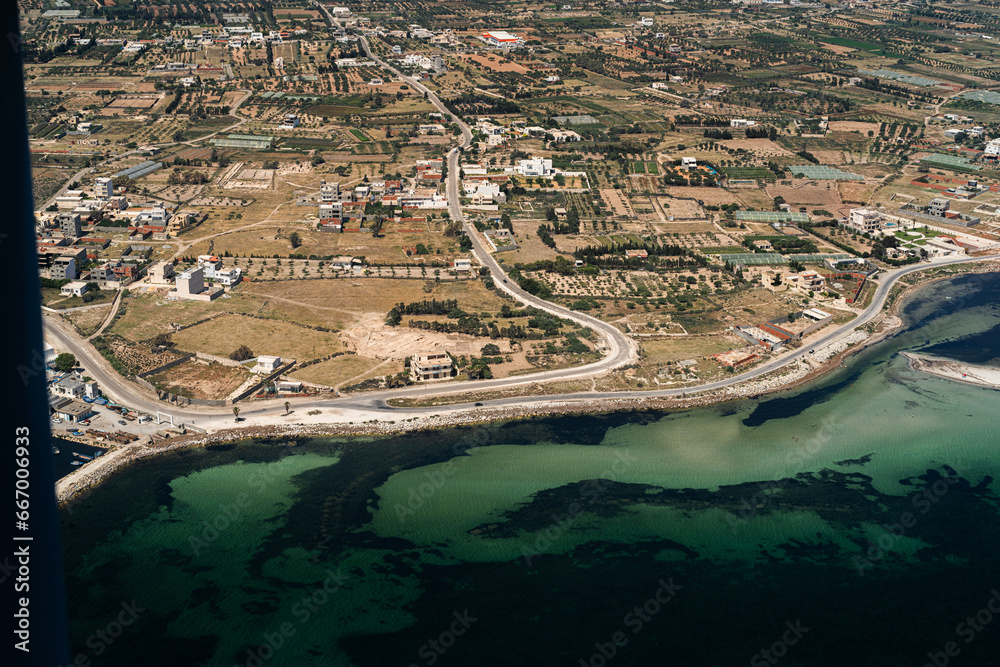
<point x="431" y="366"/>
<point x="267" y="364"/>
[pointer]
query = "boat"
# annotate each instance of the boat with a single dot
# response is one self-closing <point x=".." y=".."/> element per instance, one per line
<point x="76" y="463"/>
<point x="55" y="450"/>
<point x="83" y="456"/>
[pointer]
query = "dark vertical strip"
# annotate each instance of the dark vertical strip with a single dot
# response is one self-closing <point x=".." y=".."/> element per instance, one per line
<point x="30" y="560"/>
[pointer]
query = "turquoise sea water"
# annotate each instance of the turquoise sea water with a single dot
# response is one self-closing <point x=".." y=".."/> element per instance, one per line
<point x="850" y="522"/>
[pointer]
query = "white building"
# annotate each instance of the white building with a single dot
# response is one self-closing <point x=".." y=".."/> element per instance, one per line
<point x="689" y="163"/>
<point x="536" y="166"/>
<point x="502" y="40"/>
<point x="943" y="246"/>
<point x="865" y="220"/>
<point x="289" y="122"/>
<point x="266" y="364"/>
<point x="210" y="264"/>
<point x="487" y="193"/>
<point x="70" y="386"/>
<point x="229" y="277"/>
<point x="103" y="188"/>
<point x="214" y="271"/>
<point x="75" y="288"/>
<point x="992" y="150"/>
<point x="561" y="136"/>
<point x="741" y="122"/>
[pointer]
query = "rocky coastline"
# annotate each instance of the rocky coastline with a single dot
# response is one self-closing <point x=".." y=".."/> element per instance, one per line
<point x="70" y="488"/>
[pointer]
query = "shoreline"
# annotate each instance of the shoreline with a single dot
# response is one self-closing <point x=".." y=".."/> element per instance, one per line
<point x="956" y="371"/>
<point x="71" y="487"/>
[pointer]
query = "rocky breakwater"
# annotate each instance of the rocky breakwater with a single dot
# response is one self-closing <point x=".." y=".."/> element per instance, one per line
<point x="70" y="488"/>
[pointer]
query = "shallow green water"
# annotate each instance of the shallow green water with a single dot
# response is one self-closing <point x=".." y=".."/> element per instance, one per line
<point x="863" y="506"/>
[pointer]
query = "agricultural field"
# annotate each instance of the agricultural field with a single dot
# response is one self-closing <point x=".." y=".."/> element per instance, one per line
<point x="337" y="371"/>
<point x="222" y="335"/>
<point x="255" y="203"/>
<point x="193" y="379"/>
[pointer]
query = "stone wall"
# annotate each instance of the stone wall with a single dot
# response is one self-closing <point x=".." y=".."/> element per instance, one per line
<point x="169" y="364"/>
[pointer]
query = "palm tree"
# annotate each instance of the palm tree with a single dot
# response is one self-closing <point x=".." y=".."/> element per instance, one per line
<point x="236" y="412"/>
<point x="287" y="403"/>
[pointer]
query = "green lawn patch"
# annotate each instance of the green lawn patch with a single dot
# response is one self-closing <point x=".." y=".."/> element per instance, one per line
<point x="723" y="249"/>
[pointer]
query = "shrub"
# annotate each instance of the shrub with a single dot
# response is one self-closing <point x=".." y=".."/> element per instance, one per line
<point x="242" y="353"/>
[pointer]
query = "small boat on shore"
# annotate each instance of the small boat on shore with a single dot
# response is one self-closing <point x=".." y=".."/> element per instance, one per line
<point x="83" y="456"/>
<point x="77" y="463"/>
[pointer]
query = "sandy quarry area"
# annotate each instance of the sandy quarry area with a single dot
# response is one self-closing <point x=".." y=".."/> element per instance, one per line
<point x="370" y="337"/>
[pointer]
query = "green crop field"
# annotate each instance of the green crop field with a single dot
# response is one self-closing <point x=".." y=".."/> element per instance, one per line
<point x="723" y="249"/>
<point x="748" y="172"/>
<point x="854" y="44"/>
<point x="333" y="110"/>
<point x="311" y="143"/>
<point x="360" y="136"/>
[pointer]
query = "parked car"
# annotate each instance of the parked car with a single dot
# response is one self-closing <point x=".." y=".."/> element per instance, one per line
<point x="122" y="422"/>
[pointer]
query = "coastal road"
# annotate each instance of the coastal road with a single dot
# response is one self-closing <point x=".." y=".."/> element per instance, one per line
<point x="377" y="399"/>
<point x="374" y="404"/>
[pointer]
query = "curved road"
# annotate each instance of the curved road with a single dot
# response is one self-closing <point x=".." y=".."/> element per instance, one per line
<point x="619" y="348"/>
